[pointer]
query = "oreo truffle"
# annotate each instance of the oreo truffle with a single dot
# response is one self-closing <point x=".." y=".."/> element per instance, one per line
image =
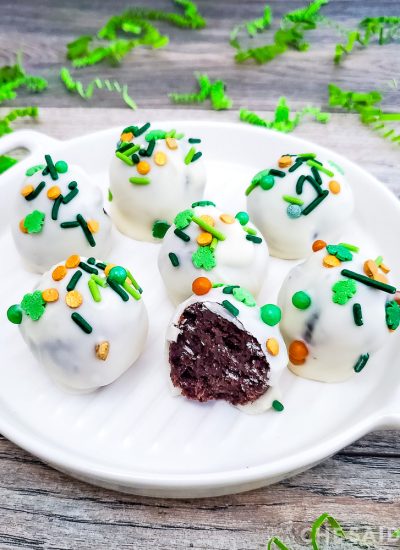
<point x="221" y="346"/>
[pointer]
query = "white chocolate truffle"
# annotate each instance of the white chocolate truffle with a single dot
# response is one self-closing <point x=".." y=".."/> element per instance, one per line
<point x="165" y="175"/>
<point x="59" y="210"/>
<point x="190" y="251"/>
<point x="221" y="345"/>
<point x="331" y="321"/>
<point x="86" y="329"/>
<point x="298" y="201"/>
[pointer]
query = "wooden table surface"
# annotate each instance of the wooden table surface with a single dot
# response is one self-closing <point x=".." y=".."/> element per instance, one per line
<point x="41" y="508"/>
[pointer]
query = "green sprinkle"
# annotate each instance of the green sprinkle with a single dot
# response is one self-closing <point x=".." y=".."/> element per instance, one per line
<point x="34" y="221"/>
<point x="202" y="203"/>
<point x="99" y="280"/>
<point x="307" y="155"/>
<point x="88" y="268"/>
<point x="129" y="288"/>
<point x="85" y="229"/>
<point x="33" y="169"/>
<point x="379" y="260"/>
<point x="124" y="158"/>
<point x="160" y="227"/>
<point x="81" y="322"/>
<point x="316" y="175"/>
<point x="133" y="281"/>
<point x="351" y="247"/>
<point x="190" y="155"/>
<point x="14" y="314"/>
<point x="250" y="230"/>
<point x="196" y="156"/>
<point x="101" y="265"/>
<point x="142" y="130"/>
<point x="131" y="150"/>
<point x="194" y="140"/>
<point x="296" y="165"/>
<point x="337" y="167"/>
<point x="357" y="314"/>
<point x="243" y="218"/>
<point x="277" y="173"/>
<point x="72" y="185"/>
<point x="362" y="361"/>
<point x="254" y="239"/>
<point x="213" y="244"/>
<point x="94" y="290"/>
<point x="292" y="200"/>
<point x="392" y="310"/>
<point x="74" y="280"/>
<point x="150" y="147"/>
<point x="33" y="305"/>
<point x="308" y="209"/>
<point x="277" y="405"/>
<point x="369" y="282"/>
<point x="119" y="290"/>
<point x="56" y="207"/>
<point x="91" y="260"/>
<point x="217" y="285"/>
<point x="230" y="307"/>
<point x="155" y="134"/>
<point x="36" y="192"/>
<point x="184" y="236"/>
<point x="140" y="181"/>
<point x="173" y="259"/>
<point x="68" y="225"/>
<point x="50" y="167"/>
<point x="320" y="168"/>
<point x="229" y="289"/>
<point x="71" y="195"/>
<point x="270" y="314"/>
<point x="61" y="166"/>
<point x="207" y="227"/>
<point x="301" y="300"/>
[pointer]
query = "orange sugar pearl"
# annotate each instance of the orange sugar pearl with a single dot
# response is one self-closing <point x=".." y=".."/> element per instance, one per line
<point x="318" y="245"/>
<point x="143" y="167"/>
<point x="59" y="273"/>
<point x="54" y="192"/>
<point x="27" y="190"/>
<point x="285" y="161"/>
<point x="22" y="227"/>
<point x="330" y="261"/>
<point x="73" y="299"/>
<point x="201" y="286"/>
<point x="334" y="187"/>
<point x="272" y="346"/>
<point x="227" y="218"/>
<point x="204" y="239"/>
<point x="93" y="226"/>
<point x="108" y="269"/>
<point x="50" y="295"/>
<point x="208" y="219"/>
<point x="298" y="352"/>
<point x="171" y="143"/>
<point x="160" y="158"/>
<point x="127" y="136"/>
<point x="73" y="261"/>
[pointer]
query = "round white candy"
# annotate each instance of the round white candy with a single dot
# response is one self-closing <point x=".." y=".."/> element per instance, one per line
<point x="288" y="228"/>
<point x="334" y="341"/>
<point x="236" y="258"/>
<point x="172" y="184"/>
<point x="73" y="358"/>
<point x="49" y="243"/>
<point x="248" y="320"/>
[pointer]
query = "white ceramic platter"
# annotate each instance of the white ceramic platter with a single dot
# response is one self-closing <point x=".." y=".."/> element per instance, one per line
<point x="133" y="435"/>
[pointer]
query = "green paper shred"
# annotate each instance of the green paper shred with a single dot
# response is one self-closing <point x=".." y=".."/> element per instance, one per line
<point x="75" y="86"/>
<point x="283" y="121"/>
<point x="5" y="122"/>
<point x="251" y="27"/>
<point x="275" y="542"/>
<point x="319" y="522"/>
<point x="214" y="91"/>
<point x="396" y="534"/>
<point x="13" y="77"/>
<point x="6" y="162"/>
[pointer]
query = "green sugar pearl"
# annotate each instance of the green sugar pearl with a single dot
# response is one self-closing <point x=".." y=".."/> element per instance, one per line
<point x="61" y="166"/>
<point x="267" y="182"/>
<point x="277" y="405"/>
<point x="14" y="314"/>
<point x="270" y="314"/>
<point x="242" y="217"/>
<point x="117" y="274"/>
<point x="301" y="300"/>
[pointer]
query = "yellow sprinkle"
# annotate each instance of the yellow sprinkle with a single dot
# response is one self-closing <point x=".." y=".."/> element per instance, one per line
<point x="330" y="261"/>
<point x="59" y="273"/>
<point x="384" y="268"/>
<point x="204" y="239"/>
<point x="22" y="227"/>
<point x="102" y="350"/>
<point x="73" y="299"/>
<point x="143" y="167"/>
<point x="370" y="268"/>
<point x="272" y="346"/>
<point x="380" y="277"/>
<point x="93" y="226"/>
<point x="108" y="268"/>
<point x="334" y="187"/>
<point x="227" y="218"/>
<point x="27" y="190"/>
<point x="171" y="143"/>
<point x="54" y="192"/>
<point x="50" y="295"/>
<point x="160" y="158"/>
<point x="127" y="136"/>
<point x="73" y="261"/>
<point x="208" y="219"/>
<point x="285" y="161"/>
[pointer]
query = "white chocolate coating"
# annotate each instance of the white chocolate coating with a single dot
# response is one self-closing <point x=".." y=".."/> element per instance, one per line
<point x="237" y="259"/>
<point x="69" y="354"/>
<point x="54" y="243"/>
<point x="333" y="339"/>
<point x="290" y="238"/>
<point x="135" y="208"/>
<point x="250" y="321"/>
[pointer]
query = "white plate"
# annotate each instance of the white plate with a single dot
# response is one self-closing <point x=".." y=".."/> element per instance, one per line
<point x="133" y="435"/>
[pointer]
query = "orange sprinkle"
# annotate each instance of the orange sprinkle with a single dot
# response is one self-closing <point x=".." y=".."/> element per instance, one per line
<point x="59" y="272"/>
<point x="160" y="158"/>
<point x="22" y="227"/>
<point x="171" y="143"/>
<point x="370" y="268"/>
<point x="208" y="219"/>
<point x="108" y="269"/>
<point x="384" y="268"/>
<point x="54" y="192"/>
<point x="201" y="286"/>
<point x="50" y="295"/>
<point x="102" y="350"/>
<point x="334" y="187"/>
<point x="93" y="226"/>
<point x="298" y="352"/>
<point x="27" y="190"/>
<point x="227" y="218"/>
<point x="127" y="136"/>
<point x="380" y="277"/>
<point x="272" y="346"/>
<point x="330" y="261"/>
<point x="318" y="245"/>
<point x="73" y="299"/>
<point x="204" y="239"/>
<point x="143" y="167"/>
<point x="73" y="261"/>
<point x="285" y="161"/>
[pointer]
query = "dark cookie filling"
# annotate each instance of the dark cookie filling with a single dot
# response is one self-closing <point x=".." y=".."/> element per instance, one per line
<point x="215" y="359"/>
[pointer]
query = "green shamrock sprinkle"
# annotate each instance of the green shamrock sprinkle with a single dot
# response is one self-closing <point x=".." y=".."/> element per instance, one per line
<point x="33" y="305"/>
<point x="183" y="219"/>
<point x="392" y="314"/>
<point x="343" y="291"/>
<point x="243" y="295"/>
<point x="204" y="258"/>
<point x="34" y="221"/>
<point x="341" y="252"/>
